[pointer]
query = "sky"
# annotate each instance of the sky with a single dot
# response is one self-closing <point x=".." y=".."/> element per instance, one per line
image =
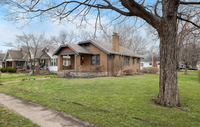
<point x="8" y="30"/>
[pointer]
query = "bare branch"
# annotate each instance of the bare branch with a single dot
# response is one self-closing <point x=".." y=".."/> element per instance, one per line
<point x="188" y="21"/>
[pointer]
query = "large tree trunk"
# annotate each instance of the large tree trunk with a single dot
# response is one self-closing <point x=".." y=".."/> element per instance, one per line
<point x="168" y="85"/>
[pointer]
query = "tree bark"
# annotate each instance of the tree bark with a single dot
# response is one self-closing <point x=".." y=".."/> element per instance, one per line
<point x="168" y="85"/>
<point x="185" y="69"/>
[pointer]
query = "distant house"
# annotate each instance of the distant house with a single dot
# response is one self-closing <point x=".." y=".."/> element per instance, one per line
<point x="150" y="61"/>
<point x="2" y="55"/>
<point x="91" y="55"/>
<point x="20" y="59"/>
<point x="13" y="58"/>
<point x="52" y="61"/>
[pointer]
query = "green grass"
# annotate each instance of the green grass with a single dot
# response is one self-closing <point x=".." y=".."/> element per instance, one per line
<point x="129" y="95"/>
<point x="11" y="119"/>
<point x="5" y="77"/>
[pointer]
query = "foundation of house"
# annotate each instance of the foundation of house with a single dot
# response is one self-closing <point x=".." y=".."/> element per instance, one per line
<point x="73" y="73"/>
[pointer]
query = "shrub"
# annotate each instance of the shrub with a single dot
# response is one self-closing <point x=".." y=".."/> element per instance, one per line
<point x="129" y="72"/>
<point x="11" y="70"/>
<point x="50" y="76"/>
<point x="3" y="70"/>
<point x="152" y="70"/>
<point x="155" y="101"/>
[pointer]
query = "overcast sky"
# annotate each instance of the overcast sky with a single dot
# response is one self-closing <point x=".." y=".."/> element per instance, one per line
<point x="9" y="30"/>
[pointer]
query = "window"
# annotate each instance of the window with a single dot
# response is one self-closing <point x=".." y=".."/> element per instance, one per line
<point x="133" y="60"/>
<point x="95" y="60"/>
<point x="66" y="62"/>
<point x="86" y="45"/>
<point x="150" y="63"/>
<point x="54" y="62"/>
<point x="10" y="64"/>
<point x="126" y="60"/>
<point x="19" y="64"/>
<point x="158" y="63"/>
<point x="141" y="64"/>
<point x="109" y="57"/>
<point x="138" y="59"/>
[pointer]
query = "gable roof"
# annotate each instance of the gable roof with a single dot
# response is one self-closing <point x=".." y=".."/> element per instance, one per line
<point x="107" y="48"/>
<point x="40" y="53"/>
<point x="76" y="48"/>
<point x="2" y="55"/>
<point x="15" y="54"/>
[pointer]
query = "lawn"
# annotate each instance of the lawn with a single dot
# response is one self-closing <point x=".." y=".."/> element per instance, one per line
<point x="5" y="77"/>
<point x="128" y="95"/>
<point x="11" y="119"/>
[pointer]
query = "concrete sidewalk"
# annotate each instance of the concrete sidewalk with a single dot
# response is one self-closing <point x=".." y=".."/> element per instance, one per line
<point x="40" y="115"/>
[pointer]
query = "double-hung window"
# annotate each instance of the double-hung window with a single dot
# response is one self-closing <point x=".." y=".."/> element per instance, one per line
<point x="133" y="60"/>
<point x="66" y="62"/>
<point x="95" y="60"/>
<point x="19" y="64"/>
<point x="54" y="62"/>
<point x="138" y="60"/>
<point x="10" y="64"/>
<point x="126" y="60"/>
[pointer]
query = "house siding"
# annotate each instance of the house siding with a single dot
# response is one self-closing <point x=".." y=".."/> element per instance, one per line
<point x="135" y="66"/>
<point x="87" y="61"/>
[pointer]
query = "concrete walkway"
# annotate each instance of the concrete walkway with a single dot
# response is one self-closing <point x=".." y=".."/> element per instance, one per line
<point x="40" y="115"/>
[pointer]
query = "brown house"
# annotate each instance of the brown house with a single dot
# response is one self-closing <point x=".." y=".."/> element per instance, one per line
<point x="13" y="58"/>
<point x="94" y="55"/>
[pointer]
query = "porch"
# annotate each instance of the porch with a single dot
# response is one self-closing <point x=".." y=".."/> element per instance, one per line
<point x="81" y="60"/>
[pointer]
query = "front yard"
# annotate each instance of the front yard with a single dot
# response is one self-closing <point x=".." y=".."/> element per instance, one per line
<point x="5" y="77"/>
<point x="126" y="97"/>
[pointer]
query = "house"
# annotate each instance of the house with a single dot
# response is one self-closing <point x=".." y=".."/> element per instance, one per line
<point x="13" y="58"/>
<point x="92" y="55"/>
<point x="52" y="61"/>
<point x="150" y="61"/>
<point x="2" y="55"/>
<point x="20" y="59"/>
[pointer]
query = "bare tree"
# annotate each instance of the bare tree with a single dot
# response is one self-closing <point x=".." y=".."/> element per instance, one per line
<point x="117" y="66"/>
<point x="164" y="22"/>
<point x="128" y="38"/>
<point x="32" y="42"/>
<point x="188" y="52"/>
<point x="85" y="35"/>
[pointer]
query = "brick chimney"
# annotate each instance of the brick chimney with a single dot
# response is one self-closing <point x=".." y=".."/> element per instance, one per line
<point x="154" y="62"/>
<point x="115" y="42"/>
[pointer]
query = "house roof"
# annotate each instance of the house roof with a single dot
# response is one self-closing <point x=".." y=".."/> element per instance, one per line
<point x="107" y="48"/>
<point x="2" y="55"/>
<point x="40" y="53"/>
<point x="76" y="48"/>
<point x="15" y="54"/>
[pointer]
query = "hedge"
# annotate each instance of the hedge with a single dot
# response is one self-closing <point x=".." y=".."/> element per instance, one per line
<point x="3" y="70"/>
<point x="12" y="70"/>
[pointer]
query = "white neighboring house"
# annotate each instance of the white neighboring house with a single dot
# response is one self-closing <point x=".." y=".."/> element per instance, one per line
<point x="2" y="55"/>
<point x="150" y="61"/>
<point x="52" y="62"/>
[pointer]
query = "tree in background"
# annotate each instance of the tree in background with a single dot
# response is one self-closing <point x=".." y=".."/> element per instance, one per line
<point x="165" y="23"/>
<point x="128" y="38"/>
<point x="33" y="43"/>
<point x="189" y="51"/>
